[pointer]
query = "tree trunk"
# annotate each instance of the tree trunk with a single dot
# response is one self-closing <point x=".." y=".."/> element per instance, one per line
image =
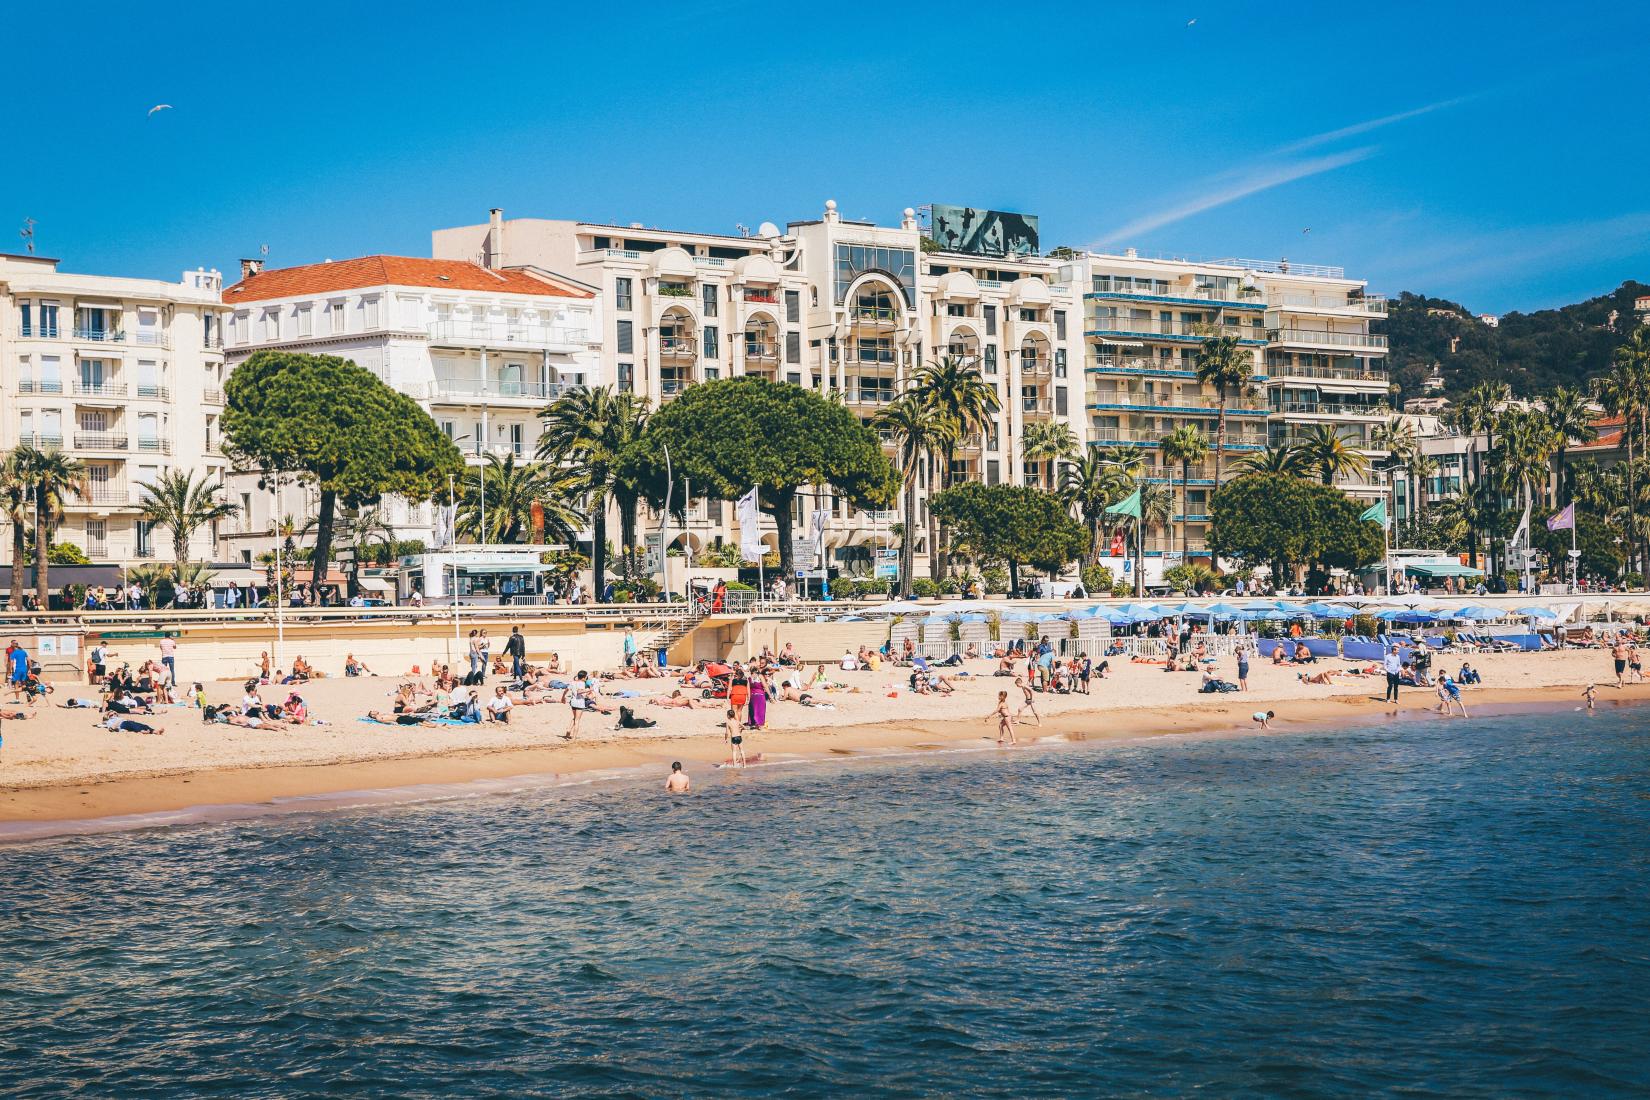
<point x="598" y="547"/>
<point x="323" y="541"/>
<point x="939" y="479"/>
<point x="627" y="533"/>
<point x="1013" y="577"/>
<point x="180" y="555"/>
<point x="1185" y="539"/>
<point x="19" y="548"/>
<point x="42" y="549"/>
<point x="782" y="500"/>
<point x="908" y="544"/>
<point x="1094" y="540"/>
<point x="1140" y="557"/>
<point x="1220" y="435"/>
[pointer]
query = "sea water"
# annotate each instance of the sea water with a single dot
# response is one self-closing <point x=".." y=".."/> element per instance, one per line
<point x="1432" y="908"/>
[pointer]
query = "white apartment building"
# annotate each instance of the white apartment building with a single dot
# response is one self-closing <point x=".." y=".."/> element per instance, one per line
<point x="832" y="304"/>
<point x="125" y="375"/>
<point x="482" y="349"/>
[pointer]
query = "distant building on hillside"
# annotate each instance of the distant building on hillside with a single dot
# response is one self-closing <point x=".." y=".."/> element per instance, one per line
<point x="1641" y="306"/>
<point x="1490" y="319"/>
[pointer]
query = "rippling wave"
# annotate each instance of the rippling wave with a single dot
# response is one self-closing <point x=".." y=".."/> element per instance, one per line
<point x="1424" y="909"/>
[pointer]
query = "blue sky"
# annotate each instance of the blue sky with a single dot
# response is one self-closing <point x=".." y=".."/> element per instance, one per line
<point x="1496" y="155"/>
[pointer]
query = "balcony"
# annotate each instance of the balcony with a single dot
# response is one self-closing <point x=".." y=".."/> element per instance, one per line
<point x="99" y="441"/>
<point x="676" y="349"/>
<point x="212" y="396"/>
<point x="155" y="446"/>
<point x="107" y="495"/>
<point x="671" y="387"/>
<point x="761" y="353"/>
<point x="673" y="290"/>
<point x="1039" y="408"/>
<point x="152" y="392"/>
<point x="502" y="334"/>
<point x="1302" y="302"/>
<point x="1182" y="295"/>
<point x="99" y="389"/>
<point x="1333" y="408"/>
<point x="1168" y="402"/>
<point x="39" y="385"/>
<point x="41" y="441"/>
<point x="760" y="295"/>
<point x="869" y="396"/>
<point x="1325" y="339"/>
<point x="1038" y="365"/>
<point x="875" y="316"/>
<point x="1235" y="441"/>
<point x="1280" y="371"/>
<point x="1154" y="328"/>
<point x="148" y="338"/>
<point x="495" y="389"/>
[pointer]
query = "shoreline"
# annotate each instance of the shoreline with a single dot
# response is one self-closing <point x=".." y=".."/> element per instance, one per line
<point x="128" y="802"/>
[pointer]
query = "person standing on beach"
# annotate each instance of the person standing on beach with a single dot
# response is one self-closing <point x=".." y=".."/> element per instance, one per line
<point x="1243" y="667"/>
<point x="758" y="701"/>
<point x="169" y="658"/>
<point x="485" y="646"/>
<point x="516" y="647"/>
<point x="1619" y="653"/>
<point x="19" y="670"/>
<point x="1591" y="695"/>
<point x="733" y="734"/>
<point x="578" y="701"/>
<point x="1635" y="664"/>
<point x="1394" y="665"/>
<point x="678" y="783"/>
<point x="1005" y="720"/>
<point x="1030" y="700"/>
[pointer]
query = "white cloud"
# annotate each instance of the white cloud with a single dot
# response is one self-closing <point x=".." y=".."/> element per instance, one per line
<point x="1364" y="127"/>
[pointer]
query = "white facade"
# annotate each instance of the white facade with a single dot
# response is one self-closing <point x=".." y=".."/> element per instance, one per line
<point x="483" y="351"/>
<point x="125" y="375"/>
<point x="830" y="304"/>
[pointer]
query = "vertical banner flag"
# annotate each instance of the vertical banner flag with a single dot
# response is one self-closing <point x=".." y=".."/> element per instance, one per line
<point x="1521" y="537"/>
<point x="816" y="536"/>
<point x="1564" y="521"/>
<point x="750" y="527"/>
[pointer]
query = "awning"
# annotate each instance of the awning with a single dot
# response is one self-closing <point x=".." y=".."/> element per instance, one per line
<point x="1340" y="387"/>
<point x="1110" y="343"/>
<point x="1443" y="570"/>
<point x="375" y="584"/>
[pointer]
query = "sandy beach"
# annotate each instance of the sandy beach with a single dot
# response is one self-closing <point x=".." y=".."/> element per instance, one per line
<point x="60" y="764"/>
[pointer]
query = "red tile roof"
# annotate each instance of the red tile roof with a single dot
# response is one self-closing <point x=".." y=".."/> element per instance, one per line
<point x="293" y="282"/>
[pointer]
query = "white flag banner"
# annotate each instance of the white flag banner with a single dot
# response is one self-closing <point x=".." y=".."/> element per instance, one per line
<point x="750" y="527"/>
<point x="1521" y="537"/>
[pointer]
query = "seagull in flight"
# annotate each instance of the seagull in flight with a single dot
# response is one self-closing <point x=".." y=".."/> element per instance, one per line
<point x="1191" y="21"/>
<point x="1308" y="229"/>
<point x="159" y="107"/>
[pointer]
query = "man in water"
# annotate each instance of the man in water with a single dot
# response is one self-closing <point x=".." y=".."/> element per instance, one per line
<point x="678" y="783"/>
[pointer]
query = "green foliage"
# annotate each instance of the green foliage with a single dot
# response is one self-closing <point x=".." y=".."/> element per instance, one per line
<point x="1097" y="580"/>
<point x="338" y="426"/>
<point x="1014" y="523"/>
<point x="925" y="588"/>
<point x="1535" y="352"/>
<point x="512" y="489"/>
<point x="740" y="586"/>
<point x="182" y="505"/>
<point x="1600" y="556"/>
<point x="1285" y="521"/>
<point x="66" y="553"/>
<point x="1191" y="578"/>
<point x="994" y="578"/>
<point x="731" y="434"/>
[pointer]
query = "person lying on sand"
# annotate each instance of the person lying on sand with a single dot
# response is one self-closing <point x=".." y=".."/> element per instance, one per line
<point x="677" y="700"/>
<point x="116" y="724"/>
<point x="398" y="719"/>
<point x="1326" y="676"/>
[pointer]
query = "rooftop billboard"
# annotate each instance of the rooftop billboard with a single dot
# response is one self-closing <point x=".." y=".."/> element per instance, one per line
<point x="978" y="232"/>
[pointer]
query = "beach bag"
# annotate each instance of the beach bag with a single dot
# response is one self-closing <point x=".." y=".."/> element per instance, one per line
<point x="629" y="721"/>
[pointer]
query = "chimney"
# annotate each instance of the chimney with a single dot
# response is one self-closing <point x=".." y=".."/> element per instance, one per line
<point x="495" y="237"/>
<point x="250" y="268"/>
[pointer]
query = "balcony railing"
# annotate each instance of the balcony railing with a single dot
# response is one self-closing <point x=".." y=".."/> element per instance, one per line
<point x="763" y="352"/>
<point x="504" y="334"/>
<point x="155" y="446"/>
<point x="1032" y="364"/>
<point x="142" y="337"/>
<point x="1124" y="398"/>
<point x="1238" y="440"/>
<point x="1036" y="406"/>
<point x="453" y="386"/>
<point x="99" y="441"/>
<point x="212" y="396"/>
<point x="106" y="494"/>
<point x="1325" y="338"/>
<point x="670" y="387"/>
<point x="1174" y="330"/>
<point x="678" y="347"/>
<point x="1177" y="293"/>
<point x="870" y="397"/>
<point x="148" y="390"/>
<point x="765" y="297"/>
<point x="674" y="290"/>
<point x="99" y="389"/>
<point x="1334" y="408"/>
<point x="1276" y="371"/>
<point x="875" y="315"/>
<point x="41" y="440"/>
<point x="1373" y="305"/>
<point x="39" y="385"/>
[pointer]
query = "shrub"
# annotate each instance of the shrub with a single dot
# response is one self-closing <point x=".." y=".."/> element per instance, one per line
<point x="924" y="588"/>
<point x="1633" y="580"/>
<point x="952" y="585"/>
<point x="1097" y="579"/>
<point x="995" y="578"/>
<point x="1190" y="578"/>
<point x="1122" y="589"/>
<point x="66" y="553"/>
<point x="740" y="586"/>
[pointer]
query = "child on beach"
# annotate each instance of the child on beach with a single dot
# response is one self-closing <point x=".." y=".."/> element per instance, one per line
<point x="1591" y="694"/>
<point x="1449" y="696"/>
<point x="733" y="734"/>
<point x="1030" y="700"/>
<point x="1263" y="718"/>
<point x="1005" y="720"/>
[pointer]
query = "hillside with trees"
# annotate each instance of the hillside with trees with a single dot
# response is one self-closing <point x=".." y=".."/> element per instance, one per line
<point x="1533" y="352"/>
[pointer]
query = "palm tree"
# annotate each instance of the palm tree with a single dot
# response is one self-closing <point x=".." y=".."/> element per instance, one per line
<point x="1048" y="441"/>
<point x="14" y="499"/>
<point x="962" y="397"/>
<point x="1156" y="509"/>
<point x="918" y="430"/>
<point x="1625" y="392"/>
<point x="1227" y="366"/>
<point x="1184" y="445"/>
<point x="512" y="490"/>
<point x="1281" y="458"/>
<point x="590" y="429"/>
<point x="1572" y="420"/>
<point x="54" y="475"/>
<point x="1476" y="413"/>
<point x="182" y="505"/>
<point x="1323" y="449"/>
<point x="361" y="532"/>
<point x="1460" y="518"/>
<point x="1096" y="479"/>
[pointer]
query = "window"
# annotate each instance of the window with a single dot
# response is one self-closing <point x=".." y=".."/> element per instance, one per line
<point x="336" y="309"/>
<point x="710" y="342"/>
<point x="1059" y="362"/>
<point x="148" y="378"/>
<point x="708" y="293"/>
<point x="51" y="374"/>
<point x="873" y="388"/>
<point x="990" y="320"/>
<point x="25" y="315"/>
<point x="25" y="374"/>
<point x="211" y="337"/>
<point x="449" y="429"/>
<point x="626" y="341"/>
<point x="991" y="359"/>
<point x="1060" y="400"/>
<point x="993" y="472"/>
<point x="621" y="294"/>
<point x="409" y="313"/>
<point x="478" y="437"/>
<point x="369" y="314"/>
<point x="145" y="543"/>
<point x="148" y="430"/>
<point x="1059" y="324"/>
<point x="876" y="349"/>
<point x="306" y="321"/>
<point x="793" y="306"/>
<point x="48" y="320"/>
<point x="956" y="309"/>
<point x="97" y="537"/>
<point x="272" y="325"/>
<point x="627" y="377"/>
<point x="793" y="347"/>
<point x="517" y="439"/>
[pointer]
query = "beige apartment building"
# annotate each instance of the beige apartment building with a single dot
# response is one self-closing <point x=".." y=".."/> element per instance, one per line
<point x="125" y="375"/>
<point x="835" y="304"/>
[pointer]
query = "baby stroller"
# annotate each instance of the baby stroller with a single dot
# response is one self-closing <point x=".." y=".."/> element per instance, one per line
<point x="721" y="679"/>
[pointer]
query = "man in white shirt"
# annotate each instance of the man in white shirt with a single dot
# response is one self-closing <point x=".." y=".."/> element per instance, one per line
<point x="499" y="705"/>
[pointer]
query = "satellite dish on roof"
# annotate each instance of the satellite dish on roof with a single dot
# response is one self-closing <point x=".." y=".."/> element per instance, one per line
<point x="767" y="229"/>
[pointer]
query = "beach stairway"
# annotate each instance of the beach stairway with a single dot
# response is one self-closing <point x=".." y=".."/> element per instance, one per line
<point x="675" y="629"/>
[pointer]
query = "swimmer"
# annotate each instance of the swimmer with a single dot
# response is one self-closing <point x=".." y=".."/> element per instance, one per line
<point x="678" y="783"/>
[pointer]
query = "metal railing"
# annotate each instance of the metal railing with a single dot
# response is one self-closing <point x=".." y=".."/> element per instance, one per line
<point x="1181" y="293"/>
<point x="679" y="347"/>
<point x="505" y="334"/>
<point x="41" y="440"/>
<point x="159" y="393"/>
<point x="1154" y="326"/>
<point x="155" y="446"/>
<point x="763" y="297"/>
<point x="1036" y="406"/>
<point x="212" y="396"/>
<point x="1283" y="267"/>
<point x="1276" y="371"/>
<point x="1369" y="304"/>
<point x="1166" y="401"/>
<point x="498" y="388"/>
<point x="875" y="315"/>
<point x="1130" y="435"/>
<point x="39" y="385"/>
<point x="99" y="389"/>
<point x="1325" y="337"/>
<point x="762" y="351"/>
<point x="100" y="441"/>
<point x="1330" y="408"/>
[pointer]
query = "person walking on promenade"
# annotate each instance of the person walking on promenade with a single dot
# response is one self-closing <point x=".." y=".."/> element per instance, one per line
<point x="516" y="647"/>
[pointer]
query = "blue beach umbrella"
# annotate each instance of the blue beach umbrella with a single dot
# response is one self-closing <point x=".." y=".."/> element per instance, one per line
<point x="1538" y="612"/>
<point x="1477" y="614"/>
<point x="1224" y="610"/>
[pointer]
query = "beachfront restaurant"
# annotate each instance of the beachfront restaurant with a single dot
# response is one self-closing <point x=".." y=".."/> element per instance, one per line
<point x="1434" y="569"/>
<point x="486" y="575"/>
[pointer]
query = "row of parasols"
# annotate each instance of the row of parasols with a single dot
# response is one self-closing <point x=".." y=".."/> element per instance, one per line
<point x="1129" y="614"/>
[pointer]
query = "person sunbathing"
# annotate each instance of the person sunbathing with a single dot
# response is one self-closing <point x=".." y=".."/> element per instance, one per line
<point x="398" y="719"/>
<point x="676" y="700"/>
<point x="1325" y="677"/>
<point x="972" y="652"/>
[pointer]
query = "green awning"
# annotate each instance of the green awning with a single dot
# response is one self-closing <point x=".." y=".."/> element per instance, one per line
<point x="1443" y="570"/>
